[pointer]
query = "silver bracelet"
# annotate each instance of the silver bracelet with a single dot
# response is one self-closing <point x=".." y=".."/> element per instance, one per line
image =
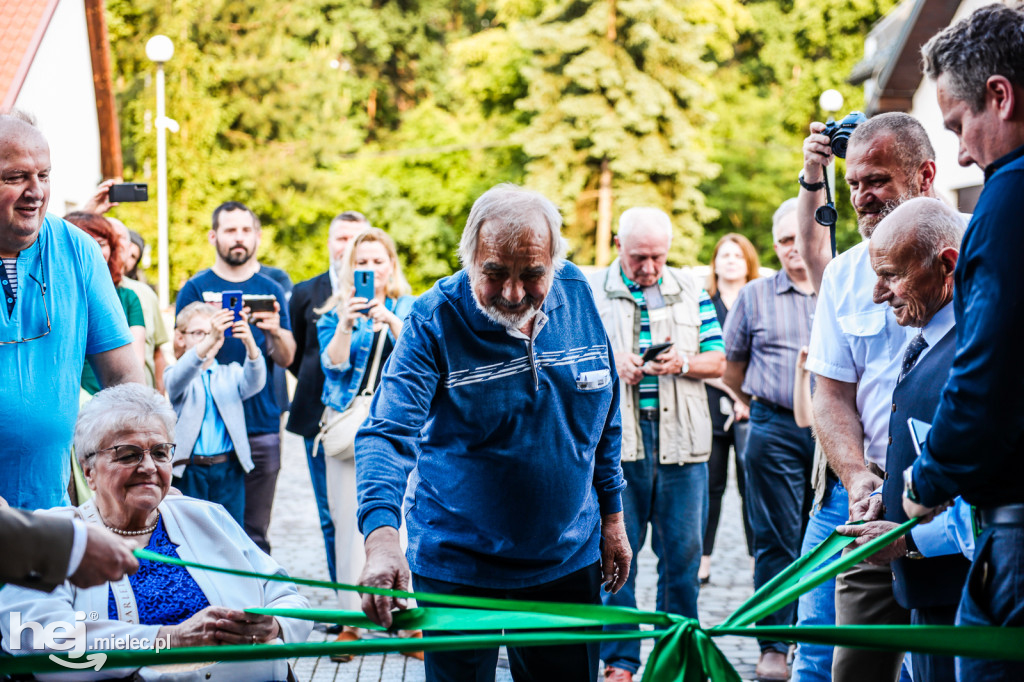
<point x="342" y="330"/>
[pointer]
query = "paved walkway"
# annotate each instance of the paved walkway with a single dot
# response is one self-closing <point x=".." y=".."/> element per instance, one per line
<point x="298" y="545"/>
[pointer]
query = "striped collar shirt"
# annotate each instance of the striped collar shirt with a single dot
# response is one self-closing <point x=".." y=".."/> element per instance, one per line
<point x="766" y="328"/>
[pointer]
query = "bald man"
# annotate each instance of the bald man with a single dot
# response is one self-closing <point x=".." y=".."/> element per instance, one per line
<point x="58" y="308"/>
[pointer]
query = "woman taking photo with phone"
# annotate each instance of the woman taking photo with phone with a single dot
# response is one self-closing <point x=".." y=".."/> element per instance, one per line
<point x="357" y="330"/>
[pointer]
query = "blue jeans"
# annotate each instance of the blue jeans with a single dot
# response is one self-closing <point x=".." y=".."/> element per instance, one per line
<point x="672" y="498"/>
<point x="318" y="475"/>
<point x="222" y="483"/>
<point x="778" y="463"/>
<point x="813" y="662"/>
<point x="993" y="595"/>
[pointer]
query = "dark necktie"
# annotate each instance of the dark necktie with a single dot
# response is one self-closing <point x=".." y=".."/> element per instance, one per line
<point x="913" y="352"/>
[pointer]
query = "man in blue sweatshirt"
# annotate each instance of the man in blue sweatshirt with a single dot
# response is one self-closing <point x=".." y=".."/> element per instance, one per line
<point x="502" y="397"/>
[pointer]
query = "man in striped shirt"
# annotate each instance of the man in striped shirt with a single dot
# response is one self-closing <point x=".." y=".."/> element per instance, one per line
<point x="767" y="326"/>
<point x="666" y="427"/>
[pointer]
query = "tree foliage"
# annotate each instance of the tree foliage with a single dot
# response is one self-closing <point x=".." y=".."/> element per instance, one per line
<point x="409" y="110"/>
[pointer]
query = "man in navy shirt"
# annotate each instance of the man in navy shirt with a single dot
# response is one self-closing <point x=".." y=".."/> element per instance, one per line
<point x="977" y="438"/>
<point x="235" y="236"/>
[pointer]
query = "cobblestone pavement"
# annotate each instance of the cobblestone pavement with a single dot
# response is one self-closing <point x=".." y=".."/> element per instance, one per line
<point x="297" y="544"/>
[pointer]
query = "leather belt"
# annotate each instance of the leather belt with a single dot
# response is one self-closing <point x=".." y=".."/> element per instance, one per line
<point x="774" y="407"/>
<point x="200" y="460"/>
<point x="649" y="414"/>
<point x="1005" y="515"/>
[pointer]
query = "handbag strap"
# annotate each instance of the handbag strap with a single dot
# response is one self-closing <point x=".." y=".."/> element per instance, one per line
<point x="372" y="376"/>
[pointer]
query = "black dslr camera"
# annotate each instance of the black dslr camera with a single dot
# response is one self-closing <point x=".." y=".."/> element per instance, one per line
<point x="839" y="132"/>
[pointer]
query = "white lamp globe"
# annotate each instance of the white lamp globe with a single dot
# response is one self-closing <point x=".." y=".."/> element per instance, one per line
<point x="830" y="100"/>
<point x="159" y="49"/>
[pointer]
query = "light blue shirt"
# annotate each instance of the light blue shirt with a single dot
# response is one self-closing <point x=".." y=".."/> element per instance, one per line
<point x="39" y="379"/>
<point x="213" y="434"/>
<point x="951" y="532"/>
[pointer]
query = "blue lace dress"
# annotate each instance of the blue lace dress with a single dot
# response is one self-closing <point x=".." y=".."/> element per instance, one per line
<point x="164" y="594"/>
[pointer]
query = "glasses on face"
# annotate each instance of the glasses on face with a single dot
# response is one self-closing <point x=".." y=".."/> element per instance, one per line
<point x="198" y="334"/>
<point x="46" y="310"/>
<point x="132" y="455"/>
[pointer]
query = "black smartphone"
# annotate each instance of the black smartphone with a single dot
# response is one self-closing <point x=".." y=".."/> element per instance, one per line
<point x="232" y="300"/>
<point x="259" y="303"/>
<point x="656" y="350"/>
<point x="128" y="191"/>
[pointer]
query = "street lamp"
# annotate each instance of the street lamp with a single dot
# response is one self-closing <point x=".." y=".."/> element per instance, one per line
<point x="831" y="101"/>
<point x="159" y="49"/>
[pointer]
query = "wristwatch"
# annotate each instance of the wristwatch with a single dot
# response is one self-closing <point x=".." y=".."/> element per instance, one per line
<point x="686" y="365"/>
<point x="810" y="186"/>
<point x="909" y="491"/>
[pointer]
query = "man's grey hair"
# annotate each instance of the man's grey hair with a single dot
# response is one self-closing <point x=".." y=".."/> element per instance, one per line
<point x="350" y="217"/>
<point x="20" y="115"/>
<point x="928" y="224"/>
<point x="784" y="209"/>
<point x="646" y="216"/>
<point x="516" y="208"/>
<point x="989" y="42"/>
<point x="119" y="410"/>
<point x="911" y="145"/>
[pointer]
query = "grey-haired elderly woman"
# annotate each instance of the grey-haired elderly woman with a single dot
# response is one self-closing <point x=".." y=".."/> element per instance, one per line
<point x="124" y="440"/>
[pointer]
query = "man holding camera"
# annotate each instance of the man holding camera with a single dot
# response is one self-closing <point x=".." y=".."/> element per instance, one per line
<point x="58" y="308"/>
<point x="235" y="236"/>
<point x="856" y="351"/>
<point x="766" y="328"/>
<point x="666" y="427"/>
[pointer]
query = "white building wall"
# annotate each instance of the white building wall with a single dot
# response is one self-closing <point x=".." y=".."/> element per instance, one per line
<point x="950" y="176"/>
<point x="58" y="91"/>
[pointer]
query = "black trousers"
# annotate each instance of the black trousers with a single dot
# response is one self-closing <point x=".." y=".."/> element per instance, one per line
<point x="570" y="663"/>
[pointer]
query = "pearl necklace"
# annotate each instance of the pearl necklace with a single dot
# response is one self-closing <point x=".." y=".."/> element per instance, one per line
<point x="144" y="531"/>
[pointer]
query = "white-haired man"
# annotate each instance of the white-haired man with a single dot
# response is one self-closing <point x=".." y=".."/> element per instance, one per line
<point x="666" y="426"/>
<point x="502" y="394"/>
<point x="58" y="308"/>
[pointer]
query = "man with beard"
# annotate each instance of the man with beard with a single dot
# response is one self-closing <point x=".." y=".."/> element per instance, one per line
<point x="856" y="352"/>
<point x="307" y="407"/>
<point x="235" y="236"/>
<point x="666" y="427"/>
<point x="502" y="396"/>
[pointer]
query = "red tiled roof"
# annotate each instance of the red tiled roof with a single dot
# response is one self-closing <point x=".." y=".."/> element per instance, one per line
<point x="22" y="25"/>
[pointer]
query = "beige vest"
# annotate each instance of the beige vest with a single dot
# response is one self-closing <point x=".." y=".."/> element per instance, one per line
<point x="685" y="423"/>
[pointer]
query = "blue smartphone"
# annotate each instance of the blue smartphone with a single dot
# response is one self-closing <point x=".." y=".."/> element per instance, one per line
<point x="232" y="300"/>
<point x="364" y="285"/>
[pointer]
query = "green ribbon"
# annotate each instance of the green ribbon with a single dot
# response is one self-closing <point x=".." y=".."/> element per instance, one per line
<point x="684" y="652"/>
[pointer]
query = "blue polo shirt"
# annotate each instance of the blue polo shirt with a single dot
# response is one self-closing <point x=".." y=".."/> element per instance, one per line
<point x="262" y="414"/>
<point x="39" y="379"/>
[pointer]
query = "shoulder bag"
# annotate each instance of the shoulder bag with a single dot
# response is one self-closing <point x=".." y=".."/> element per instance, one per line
<point x="338" y="429"/>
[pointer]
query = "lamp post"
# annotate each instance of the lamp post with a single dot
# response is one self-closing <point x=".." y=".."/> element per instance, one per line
<point x="831" y="101"/>
<point x="159" y="49"/>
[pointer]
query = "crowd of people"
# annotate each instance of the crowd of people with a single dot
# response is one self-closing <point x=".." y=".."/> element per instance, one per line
<point x="518" y="430"/>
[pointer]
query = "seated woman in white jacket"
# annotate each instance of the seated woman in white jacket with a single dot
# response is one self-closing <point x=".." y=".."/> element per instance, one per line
<point x="124" y="442"/>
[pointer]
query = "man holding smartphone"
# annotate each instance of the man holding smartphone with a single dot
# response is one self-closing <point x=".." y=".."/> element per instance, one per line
<point x="666" y="426"/>
<point x="235" y="236"/>
<point x="767" y="326"/>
